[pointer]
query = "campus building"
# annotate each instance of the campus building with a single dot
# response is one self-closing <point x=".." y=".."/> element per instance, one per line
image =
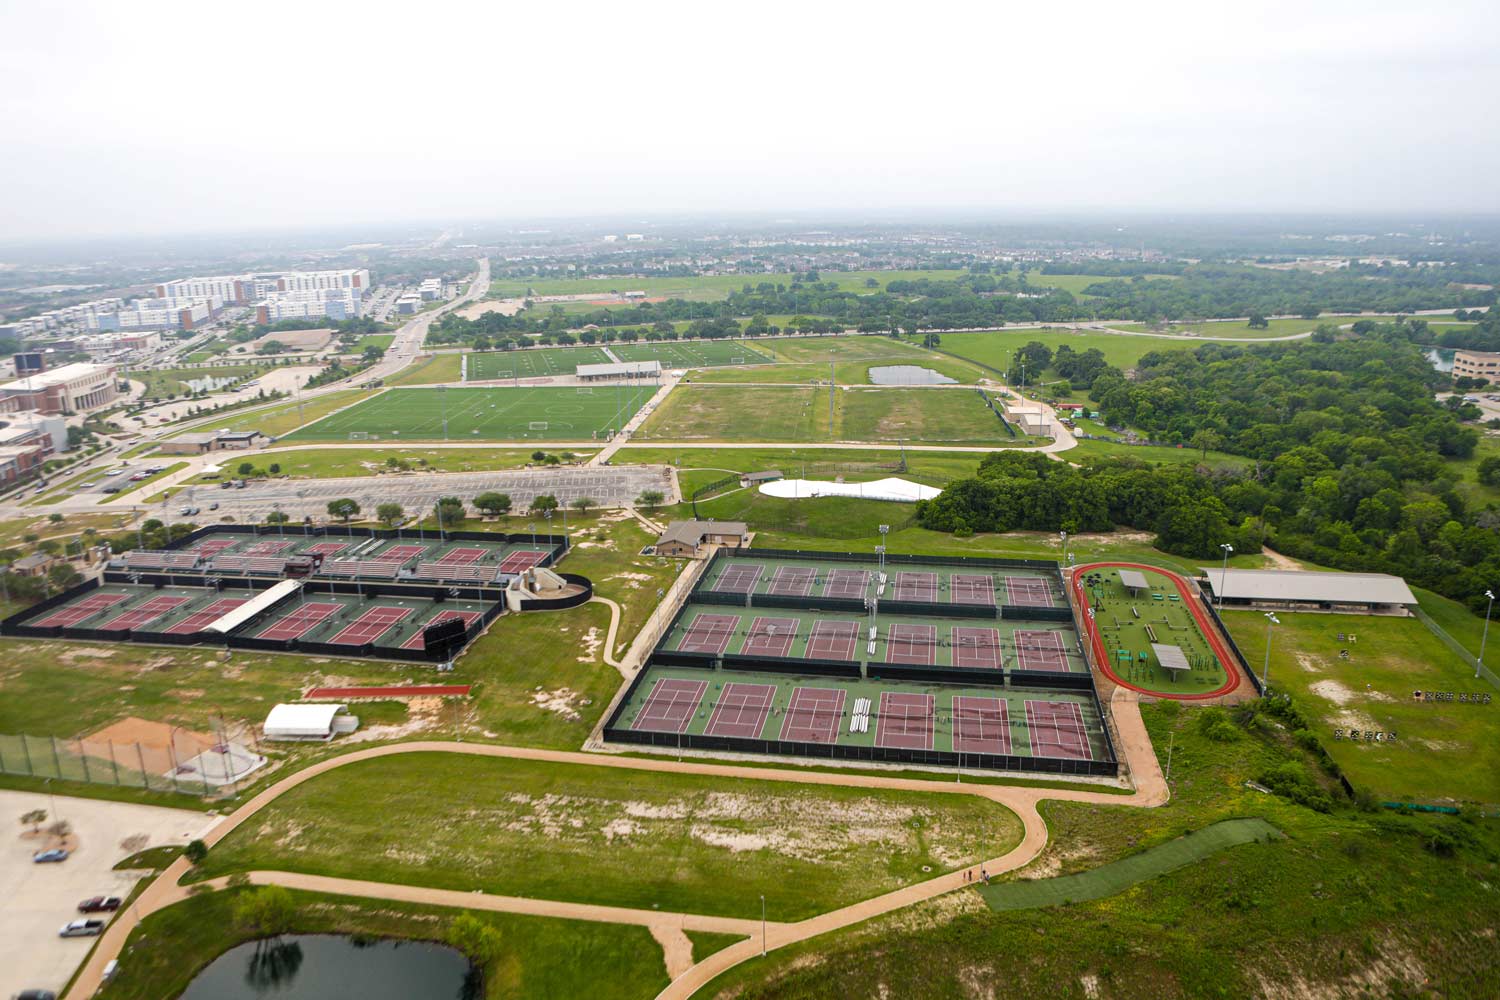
<point x="1477" y="364"/>
<point x="687" y="538"/>
<point x="33" y="430"/>
<point x="246" y="289"/>
<point x="1300" y="590"/>
<point x="75" y="388"/>
<point x="330" y="303"/>
<point x="618" y="370"/>
<point x="171" y="313"/>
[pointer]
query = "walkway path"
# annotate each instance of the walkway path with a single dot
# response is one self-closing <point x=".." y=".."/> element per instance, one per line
<point x="1133" y="747"/>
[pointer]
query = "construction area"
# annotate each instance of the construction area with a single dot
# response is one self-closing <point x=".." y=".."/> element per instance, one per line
<point x="951" y="662"/>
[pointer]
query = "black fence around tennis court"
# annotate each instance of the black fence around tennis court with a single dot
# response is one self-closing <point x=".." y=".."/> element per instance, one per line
<point x="557" y="545"/>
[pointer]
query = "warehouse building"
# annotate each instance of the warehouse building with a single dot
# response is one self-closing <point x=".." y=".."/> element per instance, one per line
<point x="1298" y="590"/>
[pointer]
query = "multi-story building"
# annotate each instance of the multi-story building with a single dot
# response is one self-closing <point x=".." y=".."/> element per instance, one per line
<point x="84" y="314"/>
<point x="75" y="388"/>
<point x="247" y="289"/>
<point x="331" y="303"/>
<point x="33" y="430"/>
<point x="1477" y="364"/>
<point x="111" y="343"/>
<point x="431" y="289"/>
<point x="162" y="314"/>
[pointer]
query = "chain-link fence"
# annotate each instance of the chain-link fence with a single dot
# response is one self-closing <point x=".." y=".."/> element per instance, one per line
<point x="188" y="769"/>
<point x="1457" y="647"/>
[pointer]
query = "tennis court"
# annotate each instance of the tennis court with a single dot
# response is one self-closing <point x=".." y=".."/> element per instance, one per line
<point x="1057" y="730"/>
<point x="973" y="588"/>
<point x="502" y="413"/>
<point x="398" y="553"/>
<point x="911" y="586"/>
<point x="72" y="614"/>
<point x="813" y="715"/>
<point x="906" y="721"/>
<point x="770" y="637"/>
<point x="670" y="706"/>
<point x="370" y="626"/>
<point x="848" y="583"/>
<point x="1038" y="649"/>
<point x="209" y="546"/>
<point x="201" y="619"/>
<point x="1029" y="592"/>
<point x="300" y="620"/>
<point x="324" y="548"/>
<point x="268" y="547"/>
<point x="532" y="362"/>
<point x="741" y="710"/>
<point x="469" y="618"/>
<point x="709" y="633"/>
<point x="915" y="582"/>
<point x="517" y="562"/>
<point x="980" y="725"/>
<point x="909" y="643"/>
<point x="976" y="647"/>
<point x="462" y="556"/>
<point x="143" y="614"/>
<point x="831" y="640"/>
<point x="795" y="581"/>
<point x="739" y="578"/>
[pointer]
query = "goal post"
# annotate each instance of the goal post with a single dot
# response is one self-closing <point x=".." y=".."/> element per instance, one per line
<point x="537" y="425"/>
<point x="585" y="390"/>
<point x="359" y="435"/>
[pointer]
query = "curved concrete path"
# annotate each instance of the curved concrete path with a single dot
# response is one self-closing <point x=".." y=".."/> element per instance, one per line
<point x="1133" y="746"/>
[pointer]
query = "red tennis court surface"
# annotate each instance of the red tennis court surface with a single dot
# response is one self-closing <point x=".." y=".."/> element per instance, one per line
<point x="144" y="614"/>
<point x="906" y="643"/>
<point x="833" y="640"/>
<point x="1040" y="650"/>
<point x="269" y="547"/>
<point x="973" y="588"/>
<point x="670" y="707"/>
<point x="1057" y="730"/>
<point x="299" y="622"/>
<point x="518" y="561"/>
<point x="410" y="691"/>
<point x="325" y="548"/>
<point x="980" y="725"/>
<point x="813" y="715"/>
<point x="771" y="637"/>
<point x="709" y="634"/>
<point x="399" y="553"/>
<point x="976" y="647"/>
<point x="741" y="711"/>
<point x="738" y="578"/>
<point x="75" y="613"/>
<point x="847" y="583"/>
<point x="916" y="587"/>
<point x="370" y="626"/>
<point x="203" y="617"/>
<point x="461" y="556"/>
<point x="209" y="546"/>
<point x="469" y="618"/>
<point x="1029" y="591"/>
<point x="905" y="721"/>
<point x="793" y="581"/>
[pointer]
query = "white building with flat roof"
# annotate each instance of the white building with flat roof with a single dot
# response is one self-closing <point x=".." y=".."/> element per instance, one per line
<point x="75" y="388"/>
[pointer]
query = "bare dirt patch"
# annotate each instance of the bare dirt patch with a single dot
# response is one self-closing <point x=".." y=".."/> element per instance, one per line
<point x="559" y="701"/>
<point x="592" y="640"/>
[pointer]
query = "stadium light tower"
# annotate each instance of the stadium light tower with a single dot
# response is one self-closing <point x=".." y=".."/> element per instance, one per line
<point x="1064" y="535"/>
<point x="1479" y="663"/>
<point x="1223" y="572"/>
<point x="880" y="549"/>
<point x="1265" y="671"/>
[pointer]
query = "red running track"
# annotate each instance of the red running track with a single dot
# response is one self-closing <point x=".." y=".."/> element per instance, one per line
<point x="1096" y="641"/>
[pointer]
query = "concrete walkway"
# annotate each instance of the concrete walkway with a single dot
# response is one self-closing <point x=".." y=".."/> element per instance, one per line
<point x="1133" y="746"/>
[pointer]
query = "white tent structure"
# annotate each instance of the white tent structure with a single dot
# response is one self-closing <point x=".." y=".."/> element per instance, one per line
<point x="308" y="722"/>
<point x="898" y="490"/>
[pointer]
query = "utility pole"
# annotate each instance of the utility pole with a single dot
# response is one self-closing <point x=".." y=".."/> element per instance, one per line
<point x="1265" y="670"/>
<point x="1223" y="572"/>
<point x="1479" y="663"/>
<point x="830" y="395"/>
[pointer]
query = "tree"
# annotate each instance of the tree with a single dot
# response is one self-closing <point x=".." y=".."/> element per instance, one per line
<point x="478" y="940"/>
<point x="449" y="510"/>
<point x="1206" y="439"/>
<point x="650" y="498"/>
<point x="1489" y="470"/>
<point x="582" y="504"/>
<point x="543" y="502"/>
<point x="1258" y="322"/>
<point x="245" y="468"/>
<point x="269" y="910"/>
<point x="343" y="508"/>
<point x="495" y="504"/>
<point x="274" y="469"/>
<point x="34" y="818"/>
<point x="539" y="456"/>
<point x="55" y="518"/>
<point x="63" y="575"/>
<point x="195" y="852"/>
<point x="389" y="514"/>
<point x="278" y="517"/>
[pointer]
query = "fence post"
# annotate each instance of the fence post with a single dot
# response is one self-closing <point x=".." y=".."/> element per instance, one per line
<point x="2" y="761"/>
<point x="83" y="758"/>
<point x="114" y="763"/>
<point x="30" y="768"/>
<point x="56" y="760"/>
<point x="145" y="775"/>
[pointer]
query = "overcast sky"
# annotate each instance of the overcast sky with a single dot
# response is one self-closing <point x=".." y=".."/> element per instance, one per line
<point x="138" y="118"/>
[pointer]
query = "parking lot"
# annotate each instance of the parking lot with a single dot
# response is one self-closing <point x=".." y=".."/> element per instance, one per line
<point x="609" y="487"/>
<point x="36" y="900"/>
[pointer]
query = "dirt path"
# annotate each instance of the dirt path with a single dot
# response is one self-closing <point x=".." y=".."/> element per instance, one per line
<point x="677" y="947"/>
<point x="1134" y="749"/>
<point x="614" y="627"/>
<point x="1280" y="561"/>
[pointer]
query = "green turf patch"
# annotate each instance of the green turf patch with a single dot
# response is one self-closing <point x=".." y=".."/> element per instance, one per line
<point x="539" y="362"/>
<point x="691" y="353"/>
<point x="1121" y="875"/>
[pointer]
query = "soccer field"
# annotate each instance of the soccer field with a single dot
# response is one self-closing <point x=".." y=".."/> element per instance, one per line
<point x="544" y="413"/>
<point x="692" y="353"/>
<point x="540" y="362"/>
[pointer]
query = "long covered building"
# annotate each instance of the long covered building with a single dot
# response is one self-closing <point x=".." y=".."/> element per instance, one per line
<point x="1301" y="590"/>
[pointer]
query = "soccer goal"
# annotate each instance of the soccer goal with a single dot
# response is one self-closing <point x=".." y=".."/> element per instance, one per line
<point x="585" y="390"/>
<point x="537" y="425"/>
<point x="359" y="435"/>
<point x="737" y="361"/>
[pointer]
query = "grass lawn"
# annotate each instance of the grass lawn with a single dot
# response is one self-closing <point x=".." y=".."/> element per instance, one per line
<point x="380" y="340"/>
<point x="162" y="382"/>
<point x="933" y="468"/>
<point x="430" y="371"/>
<point x="1445" y="751"/>
<point x="539" y="957"/>
<point x="1237" y="328"/>
<point x="592" y="834"/>
<point x="337" y="463"/>
<point x="805" y="359"/>
<point x="708" y="288"/>
<point x="1347" y="903"/>
<point x="997" y="347"/>
<point x="15" y="530"/>
<point x="754" y="413"/>
<point x="1155" y="453"/>
<point x="531" y="363"/>
<point x="497" y="414"/>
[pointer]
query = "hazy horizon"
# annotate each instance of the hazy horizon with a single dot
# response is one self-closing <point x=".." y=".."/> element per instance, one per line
<point x="199" y="119"/>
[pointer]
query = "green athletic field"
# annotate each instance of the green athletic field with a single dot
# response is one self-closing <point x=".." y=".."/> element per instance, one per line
<point x="542" y="413"/>
<point x="531" y="363"/>
<point x="691" y="353"/>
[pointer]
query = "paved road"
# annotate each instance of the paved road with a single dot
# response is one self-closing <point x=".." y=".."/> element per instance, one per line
<point x="1133" y="745"/>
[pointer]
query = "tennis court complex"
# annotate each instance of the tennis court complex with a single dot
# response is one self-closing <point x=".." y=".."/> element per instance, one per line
<point x="1019" y="587"/>
<point x="910" y="719"/>
<point x="531" y="362"/>
<point x="499" y="413"/>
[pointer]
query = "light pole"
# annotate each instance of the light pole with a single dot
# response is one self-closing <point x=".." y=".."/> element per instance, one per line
<point x="1064" y="535"/>
<point x="884" y="530"/>
<point x="1223" y="572"/>
<point x="1265" y="670"/>
<point x="1479" y="663"/>
<point x="762" y="926"/>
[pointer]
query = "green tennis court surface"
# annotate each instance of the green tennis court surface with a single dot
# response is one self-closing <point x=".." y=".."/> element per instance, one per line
<point x="502" y="413"/>
<point x="537" y="362"/>
<point x="1121" y="875"/>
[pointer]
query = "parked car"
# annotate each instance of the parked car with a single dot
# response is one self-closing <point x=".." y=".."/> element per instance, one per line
<point x="110" y="489"/>
<point x="188" y="511"/>
<point x="214" y="505"/>
<point x="35" y="995"/>
<point x="53" y="854"/>
<point x="82" y="928"/>
<point x="99" y="904"/>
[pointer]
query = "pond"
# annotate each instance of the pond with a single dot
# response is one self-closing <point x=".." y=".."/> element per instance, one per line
<point x="208" y="383"/>
<point x="333" y="967"/>
<point x="1441" y="358"/>
<point x="908" y="375"/>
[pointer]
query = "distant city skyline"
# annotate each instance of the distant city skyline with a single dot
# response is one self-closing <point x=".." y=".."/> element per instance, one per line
<point x="204" y="119"/>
